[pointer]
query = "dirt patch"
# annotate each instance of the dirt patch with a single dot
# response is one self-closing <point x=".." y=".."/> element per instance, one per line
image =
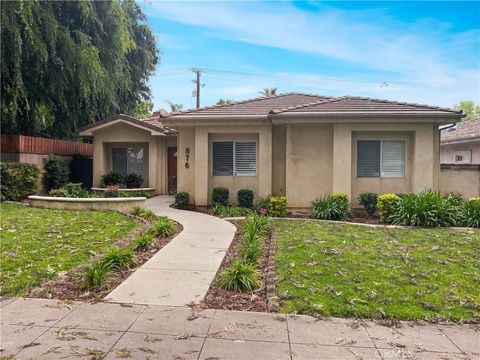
<point x="218" y="298"/>
<point x="71" y="285"/>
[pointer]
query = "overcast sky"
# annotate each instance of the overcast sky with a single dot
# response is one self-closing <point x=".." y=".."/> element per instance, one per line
<point x="424" y="52"/>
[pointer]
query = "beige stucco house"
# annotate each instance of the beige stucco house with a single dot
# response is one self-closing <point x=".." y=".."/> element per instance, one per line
<point x="298" y="145"/>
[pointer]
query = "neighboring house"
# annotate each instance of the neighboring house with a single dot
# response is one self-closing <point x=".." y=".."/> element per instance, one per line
<point x="460" y="144"/>
<point x="460" y="159"/>
<point x="299" y="145"/>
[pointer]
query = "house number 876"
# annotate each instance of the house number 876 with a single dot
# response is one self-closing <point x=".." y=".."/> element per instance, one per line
<point x="187" y="158"/>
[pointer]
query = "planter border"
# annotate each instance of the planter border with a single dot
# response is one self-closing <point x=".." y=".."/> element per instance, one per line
<point x="102" y="204"/>
<point x="271" y="275"/>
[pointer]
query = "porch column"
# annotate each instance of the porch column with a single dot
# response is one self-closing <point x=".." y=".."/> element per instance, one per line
<point x="342" y="160"/>
<point x="98" y="162"/>
<point x="201" y="166"/>
<point x="265" y="162"/>
<point x="152" y="163"/>
<point x="424" y="159"/>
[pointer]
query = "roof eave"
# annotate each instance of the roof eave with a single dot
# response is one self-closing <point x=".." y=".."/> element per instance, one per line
<point x="154" y="130"/>
<point x="179" y="120"/>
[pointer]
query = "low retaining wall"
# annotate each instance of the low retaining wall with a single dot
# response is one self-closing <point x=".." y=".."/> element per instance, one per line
<point x="63" y="203"/>
<point x="149" y="191"/>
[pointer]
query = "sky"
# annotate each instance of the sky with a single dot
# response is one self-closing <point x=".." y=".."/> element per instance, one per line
<point x="421" y="52"/>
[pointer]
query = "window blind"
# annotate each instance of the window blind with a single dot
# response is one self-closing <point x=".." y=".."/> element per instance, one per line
<point x="368" y="158"/>
<point x="245" y="158"/>
<point x="222" y="158"/>
<point x="119" y="160"/>
<point x="393" y="158"/>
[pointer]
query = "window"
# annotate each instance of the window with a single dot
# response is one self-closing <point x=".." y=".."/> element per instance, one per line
<point x="463" y="157"/>
<point x="381" y="158"/>
<point x="127" y="160"/>
<point x="234" y="158"/>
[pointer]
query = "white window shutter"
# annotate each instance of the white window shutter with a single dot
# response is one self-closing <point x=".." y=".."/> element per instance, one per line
<point x="245" y="158"/>
<point x="393" y="158"/>
<point x="222" y="157"/>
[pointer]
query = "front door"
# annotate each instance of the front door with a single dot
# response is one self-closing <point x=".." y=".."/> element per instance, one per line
<point x="172" y="169"/>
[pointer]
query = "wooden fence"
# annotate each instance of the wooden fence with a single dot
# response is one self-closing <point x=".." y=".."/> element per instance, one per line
<point x="37" y="145"/>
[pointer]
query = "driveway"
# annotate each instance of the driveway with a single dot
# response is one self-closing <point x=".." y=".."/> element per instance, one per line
<point x="181" y="272"/>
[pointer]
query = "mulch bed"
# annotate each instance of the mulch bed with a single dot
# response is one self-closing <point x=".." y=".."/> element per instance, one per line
<point x="218" y="298"/>
<point x="71" y="285"/>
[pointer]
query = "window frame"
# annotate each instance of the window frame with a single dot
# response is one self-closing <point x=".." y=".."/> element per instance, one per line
<point x="113" y="148"/>
<point x="466" y="156"/>
<point x="234" y="172"/>
<point x="380" y="176"/>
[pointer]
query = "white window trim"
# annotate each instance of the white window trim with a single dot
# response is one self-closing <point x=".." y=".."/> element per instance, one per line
<point x="234" y="173"/>
<point x="463" y="153"/>
<point x="381" y="156"/>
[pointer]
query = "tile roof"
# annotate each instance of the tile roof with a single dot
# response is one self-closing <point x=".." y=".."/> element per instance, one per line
<point x="462" y="131"/>
<point x="310" y="103"/>
<point x="151" y="123"/>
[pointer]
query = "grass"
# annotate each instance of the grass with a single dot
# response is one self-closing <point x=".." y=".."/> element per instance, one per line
<point x="405" y="273"/>
<point x="37" y="244"/>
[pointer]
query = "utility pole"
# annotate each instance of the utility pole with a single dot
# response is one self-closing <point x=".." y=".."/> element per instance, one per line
<point x="198" y="84"/>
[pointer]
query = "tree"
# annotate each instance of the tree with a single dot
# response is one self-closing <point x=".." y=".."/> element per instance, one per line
<point x="143" y="110"/>
<point x="469" y="108"/>
<point x="225" y="101"/>
<point x="268" y="92"/>
<point x="66" y="64"/>
<point x="174" y="107"/>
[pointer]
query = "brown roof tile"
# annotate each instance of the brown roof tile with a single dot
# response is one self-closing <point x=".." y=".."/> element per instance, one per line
<point x="463" y="131"/>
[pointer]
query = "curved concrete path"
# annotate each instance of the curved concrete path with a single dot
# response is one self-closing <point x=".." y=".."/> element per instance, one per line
<point x="181" y="272"/>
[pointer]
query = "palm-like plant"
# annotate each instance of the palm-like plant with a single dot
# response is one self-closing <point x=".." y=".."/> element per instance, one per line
<point x="174" y="107"/>
<point x="269" y="92"/>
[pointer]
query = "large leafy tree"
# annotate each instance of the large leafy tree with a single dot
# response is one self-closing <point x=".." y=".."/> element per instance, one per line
<point x="65" y="64"/>
<point x="469" y="108"/>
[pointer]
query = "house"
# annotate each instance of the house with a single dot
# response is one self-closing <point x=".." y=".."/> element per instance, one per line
<point x="297" y="145"/>
<point x="460" y="159"/>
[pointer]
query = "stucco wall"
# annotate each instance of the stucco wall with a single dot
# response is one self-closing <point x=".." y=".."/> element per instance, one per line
<point x="382" y="185"/>
<point x="448" y="151"/>
<point x="462" y="180"/>
<point x="309" y="158"/>
<point x="279" y="160"/>
<point x="121" y="134"/>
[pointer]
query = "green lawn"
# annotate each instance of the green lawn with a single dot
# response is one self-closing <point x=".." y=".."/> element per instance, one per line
<point x="350" y="270"/>
<point x="36" y="244"/>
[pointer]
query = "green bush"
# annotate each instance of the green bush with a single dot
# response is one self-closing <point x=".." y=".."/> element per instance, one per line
<point x="239" y="277"/>
<point x="386" y="206"/>
<point x="141" y="212"/>
<point x="73" y="190"/>
<point x="111" y="178"/>
<point x="250" y="252"/>
<point x="133" y="181"/>
<point x="228" y="211"/>
<point x="369" y="201"/>
<point x="220" y="196"/>
<point x="120" y="259"/>
<point x="263" y="203"/>
<point x="182" y="200"/>
<point x="277" y="206"/>
<point x="245" y="198"/>
<point x="163" y="227"/>
<point x="95" y="274"/>
<point x="333" y="207"/>
<point x="18" y="180"/>
<point x="471" y="210"/>
<point x="428" y="208"/>
<point x="56" y="172"/>
<point x="143" y="242"/>
<point x="257" y="224"/>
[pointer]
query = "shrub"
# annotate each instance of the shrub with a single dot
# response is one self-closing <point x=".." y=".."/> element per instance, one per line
<point x="143" y="242"/>
<point x="333" y="207"/>
<point x="136" y="211"/>
<point x="386" y="206"/>
<point x="120" y="258"/>
<point x="369" y="201"/>
<point x="277" y="206"/>
<point x="58" y="192"/>
<point x="427" y="208"/>
<point x="133" y="181"/>
<point x="239" y="277"/>
<point x="228" y="211"/>
<point x="250" y="252"/>
<point x="111" y="178"/>
<point x="220" y="196"/>
<point x="471" y="209"/>
<point x="96" y="274"/>
<point x="257" y="224"/>
<point x="245" y="198"/>
<point x="182" y="200"/>
<point x="163" y="227"/>
<point x="56" y="172"/>
<point x="18" y="180"/>
<point x="141" y="212"/>
<point x="263" y="203"/>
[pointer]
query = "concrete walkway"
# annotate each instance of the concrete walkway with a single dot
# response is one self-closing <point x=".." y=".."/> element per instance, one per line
<point x="51" y="329"/>
<point x="183" y="270"/>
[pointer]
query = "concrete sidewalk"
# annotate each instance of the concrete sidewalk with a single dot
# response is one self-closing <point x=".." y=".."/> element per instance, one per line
<point x="51" y="329"/>
<point x="183" y="270"/>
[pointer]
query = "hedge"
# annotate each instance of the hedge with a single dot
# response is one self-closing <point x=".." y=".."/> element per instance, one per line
<point x="18" y="180"/>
